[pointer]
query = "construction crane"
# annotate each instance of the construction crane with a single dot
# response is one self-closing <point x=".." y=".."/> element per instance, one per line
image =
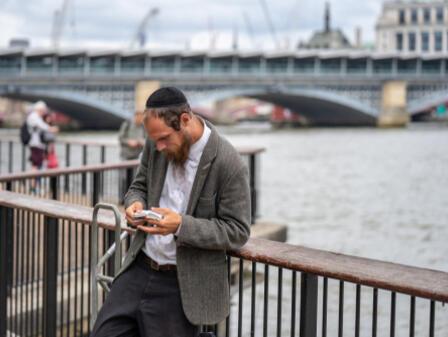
<point x="212" y="33"/>
<point x="249" y="28"/>
<point x="140" y="35"/>
<point x="270" y="23"/>
<point x="59" y="23"/>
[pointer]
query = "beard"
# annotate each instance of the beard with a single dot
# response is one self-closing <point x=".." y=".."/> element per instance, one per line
<point x="180" y="156"/>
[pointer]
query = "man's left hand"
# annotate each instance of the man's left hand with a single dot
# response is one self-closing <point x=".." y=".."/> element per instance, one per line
<point x="168" y="225"/>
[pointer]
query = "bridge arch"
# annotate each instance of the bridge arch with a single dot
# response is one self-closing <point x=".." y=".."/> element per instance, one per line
<point x="319" y="107"/>
<point x="422" y="105"/>
<point x="88" y="112"/>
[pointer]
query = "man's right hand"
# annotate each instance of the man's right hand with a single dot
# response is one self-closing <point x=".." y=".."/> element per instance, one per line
<point x="130" y="211"/>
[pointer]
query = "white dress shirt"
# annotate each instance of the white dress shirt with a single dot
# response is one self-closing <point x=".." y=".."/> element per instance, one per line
<point x="175" y="196"/>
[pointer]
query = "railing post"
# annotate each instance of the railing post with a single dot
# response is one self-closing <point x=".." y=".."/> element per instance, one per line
<point x="96" y="187"/>
<point x="84" y="176"/>
<point x="84" y="154"/>
<point x="125" y="182"/>
<point x="10" y="156"/>
<point x="50" y="275"/>
<point x="23" y="157"/>
<point x="129" y="177"/>
<point x="103" y="161"/>
<point x="109" y="235"/>
<point x="308" y="305"/>
<point x="67" y="154"/>
<point x="103" y="154"/>
<point x="9" y="235"/>
<point x="54" y="188"/>
<point x="67" y="164"/>
<point x="5" y="265"/>
<point x="253" y="185"/>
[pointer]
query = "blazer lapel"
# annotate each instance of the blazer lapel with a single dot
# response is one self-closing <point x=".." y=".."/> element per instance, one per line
<point x="158" y="174"/>
<point x="208" y="155"/>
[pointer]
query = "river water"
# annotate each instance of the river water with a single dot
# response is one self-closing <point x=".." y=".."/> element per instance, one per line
<point x="375" y="193"/>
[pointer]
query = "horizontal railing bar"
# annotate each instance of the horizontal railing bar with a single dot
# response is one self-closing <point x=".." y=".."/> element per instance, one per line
<point x="73" y="141"/>
<point x="244" y="150"/>
<point x="58" y="209"/>
<point x="414" y="281"/>
<point x="249" y="150"/>
<point x="69" y="170"/>
<point x="93" y="168"/>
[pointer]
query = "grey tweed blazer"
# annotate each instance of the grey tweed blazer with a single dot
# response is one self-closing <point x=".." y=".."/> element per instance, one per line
<point x="217" y="220"/>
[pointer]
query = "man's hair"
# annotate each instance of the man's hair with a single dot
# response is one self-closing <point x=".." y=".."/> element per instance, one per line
<point x="170" y="114"/>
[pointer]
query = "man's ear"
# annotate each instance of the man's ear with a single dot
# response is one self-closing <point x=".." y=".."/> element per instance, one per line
<point x="185" y="118"/>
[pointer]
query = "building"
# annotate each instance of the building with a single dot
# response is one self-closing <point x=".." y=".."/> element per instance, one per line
<point x="328" y="38"/>
<point x="413" y="26"/>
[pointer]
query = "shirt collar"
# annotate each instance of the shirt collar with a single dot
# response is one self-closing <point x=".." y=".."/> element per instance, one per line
<point x="198" y="147"/>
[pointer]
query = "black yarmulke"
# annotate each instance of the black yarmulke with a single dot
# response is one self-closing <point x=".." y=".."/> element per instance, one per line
<point x="164" y="97"/>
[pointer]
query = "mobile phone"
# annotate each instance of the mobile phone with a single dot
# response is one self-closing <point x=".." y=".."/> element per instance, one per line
<point x="147" y="214"/>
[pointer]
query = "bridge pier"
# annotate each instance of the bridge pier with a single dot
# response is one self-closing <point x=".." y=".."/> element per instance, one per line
<point x="393" y="105"/>
<point x="142" y="91"/>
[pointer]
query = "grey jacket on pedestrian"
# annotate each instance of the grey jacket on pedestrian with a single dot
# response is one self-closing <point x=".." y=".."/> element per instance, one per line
<point x="217" y="220"/>
<point x="129" y="130"/>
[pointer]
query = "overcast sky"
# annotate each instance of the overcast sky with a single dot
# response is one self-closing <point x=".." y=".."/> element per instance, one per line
<point x="180" y="24"/>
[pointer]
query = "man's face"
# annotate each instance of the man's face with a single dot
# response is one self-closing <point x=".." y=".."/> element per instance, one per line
<point x="174" y="144"/>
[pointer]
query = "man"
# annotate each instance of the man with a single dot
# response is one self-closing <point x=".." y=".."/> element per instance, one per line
<point x="132" y="137"/>
<point x="37" y="126"/>
<point x="174" y="276"/>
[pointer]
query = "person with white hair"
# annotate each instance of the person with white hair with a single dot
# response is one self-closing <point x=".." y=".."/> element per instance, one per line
<point x="36" y="127"/>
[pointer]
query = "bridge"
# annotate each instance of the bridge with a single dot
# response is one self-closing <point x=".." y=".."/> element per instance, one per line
<point x="100" y="89"/>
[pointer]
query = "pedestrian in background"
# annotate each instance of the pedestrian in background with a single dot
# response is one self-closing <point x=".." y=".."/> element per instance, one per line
<point x="40" y="132"/>
<point x="132" y="137"/>
<point x="38" y="128"/>
<point x="132" y="140"/>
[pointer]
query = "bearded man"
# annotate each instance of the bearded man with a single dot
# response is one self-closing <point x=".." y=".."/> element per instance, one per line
<point x="174" y="276"/>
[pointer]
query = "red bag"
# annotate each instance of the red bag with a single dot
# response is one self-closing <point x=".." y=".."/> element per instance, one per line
<point x="52" y="160"/>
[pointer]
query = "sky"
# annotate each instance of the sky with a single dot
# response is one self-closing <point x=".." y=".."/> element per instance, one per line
<point x="184" y="24"/>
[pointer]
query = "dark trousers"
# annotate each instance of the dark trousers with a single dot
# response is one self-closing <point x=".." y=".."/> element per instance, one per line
<point x="144" y="303"/>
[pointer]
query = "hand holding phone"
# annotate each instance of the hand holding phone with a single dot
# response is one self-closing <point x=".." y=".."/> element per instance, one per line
<point x="147" y="214"/>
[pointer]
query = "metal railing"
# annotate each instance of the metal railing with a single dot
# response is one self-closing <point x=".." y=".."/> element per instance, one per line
<point x="45" y="251"/>
<point x="14" y="156"/>
<point x="85" y="185"/>
<point x="277" y="289"/>
<point x="88" y="185"/>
